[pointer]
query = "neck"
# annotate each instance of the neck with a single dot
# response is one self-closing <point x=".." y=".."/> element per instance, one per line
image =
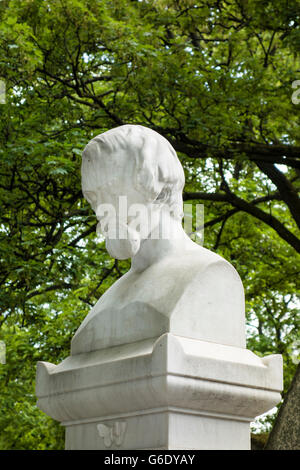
<point x="171" y="241"/>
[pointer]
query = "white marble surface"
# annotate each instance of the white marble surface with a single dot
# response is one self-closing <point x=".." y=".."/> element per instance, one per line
<point x="171" y="378"/>
<point x="174" y="285"/>
<point x="198" y="295"/>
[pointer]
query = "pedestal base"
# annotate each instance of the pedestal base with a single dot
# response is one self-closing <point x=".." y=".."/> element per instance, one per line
<point x="164" y="393"/>
<point x="160" y="429"/>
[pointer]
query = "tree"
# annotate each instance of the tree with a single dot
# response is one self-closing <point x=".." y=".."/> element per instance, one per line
<point x="285" y="434"/>
<point x="215" y="78"/>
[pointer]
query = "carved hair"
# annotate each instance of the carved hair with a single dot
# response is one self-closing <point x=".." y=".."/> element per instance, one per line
<point x="158" y="171"/>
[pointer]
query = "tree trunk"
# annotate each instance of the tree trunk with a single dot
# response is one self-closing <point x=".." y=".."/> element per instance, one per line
<point x="285" y="434"/>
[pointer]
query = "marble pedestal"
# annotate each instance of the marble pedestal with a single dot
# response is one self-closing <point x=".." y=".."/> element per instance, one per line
<point x="169" y="392"/>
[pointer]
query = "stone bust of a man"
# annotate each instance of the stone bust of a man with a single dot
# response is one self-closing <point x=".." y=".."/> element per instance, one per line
<point x="174" y="285"/>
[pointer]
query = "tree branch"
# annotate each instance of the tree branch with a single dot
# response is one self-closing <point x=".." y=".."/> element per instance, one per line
<point x="83" y="235"/>
<point x="250" y="208"/>
<point x="287" y="191"/>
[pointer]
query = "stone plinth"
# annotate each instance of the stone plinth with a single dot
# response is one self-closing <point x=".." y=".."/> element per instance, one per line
<point x="169" y="392"/>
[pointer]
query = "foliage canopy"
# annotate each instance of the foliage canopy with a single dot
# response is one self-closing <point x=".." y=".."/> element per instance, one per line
<point x="215" y="78"/>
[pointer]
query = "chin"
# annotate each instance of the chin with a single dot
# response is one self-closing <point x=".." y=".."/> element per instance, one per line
<point x="122" y="249"/>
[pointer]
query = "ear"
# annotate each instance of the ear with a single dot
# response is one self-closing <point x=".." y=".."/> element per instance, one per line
<point x="164" y="195"/>
<point x="165" y="164"/>
<point x="147" y="172"/>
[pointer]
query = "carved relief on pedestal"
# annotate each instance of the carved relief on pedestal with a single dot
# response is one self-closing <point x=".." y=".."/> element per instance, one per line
<point x="112" y="434"/>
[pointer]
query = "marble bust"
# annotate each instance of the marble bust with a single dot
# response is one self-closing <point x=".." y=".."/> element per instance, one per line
<point x="174" y="285"/>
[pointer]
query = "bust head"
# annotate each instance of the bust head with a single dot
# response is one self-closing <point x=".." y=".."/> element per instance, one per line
<point x="174" y="285"/>
<point x="138" y="164"/>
